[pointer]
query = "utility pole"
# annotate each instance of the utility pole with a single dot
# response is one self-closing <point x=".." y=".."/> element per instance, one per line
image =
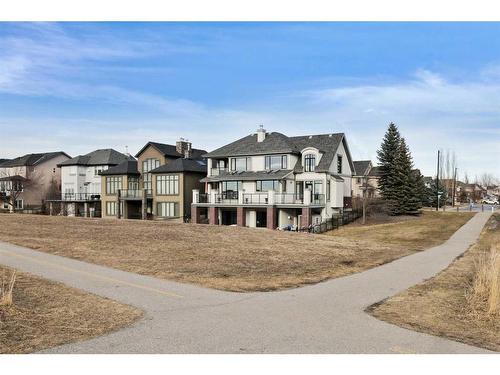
<point x="454" y="187"/>
<point x="437" y="183"/>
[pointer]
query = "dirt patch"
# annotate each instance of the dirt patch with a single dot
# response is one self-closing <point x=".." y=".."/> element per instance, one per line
<point x="45" y="314"/>
<point x="229" y="258"/>
<point x="449" y="304"/>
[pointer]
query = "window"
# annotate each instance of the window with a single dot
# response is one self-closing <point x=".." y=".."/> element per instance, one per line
<point x="328" y="190"/>
<point x="111" y="208"/>
<point x="19" y="204"/>
<point x="309" y="163"/>
<point x="113" y="184"/>
<point x="133" y="183"/>
<point x="267" y="185"/>
<point x="167" y="185"/>
<point x="240" y="164"/>
<point x="231" y="186"/>
<point x="99" y="168"/>
<point x="149" y="165"/>
<point x="72" y="170"/>
<point x="316" y="187"/>
<point x="339" y="164"/>
<point x="276" y="162"/>
<point x="167" y="209"/>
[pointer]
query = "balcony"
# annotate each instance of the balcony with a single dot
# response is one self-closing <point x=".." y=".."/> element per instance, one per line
<point x="134" y="193"/>
<point x="81" y="197"/>
<point x="256" y="198"/>
<point x="289" y="198"/>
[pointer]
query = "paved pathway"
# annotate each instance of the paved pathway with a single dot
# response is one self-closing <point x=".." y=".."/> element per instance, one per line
<point x="324" y="318"/>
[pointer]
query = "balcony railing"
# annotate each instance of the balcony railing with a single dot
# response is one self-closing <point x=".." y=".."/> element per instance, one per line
<point x="81" y="197"/>
<point x="134" y="193"/>
<point x="256" y="198"/>
<point x="318" y="199"/>
<point x="289" y="198"/>
<point x="230" y="197"/>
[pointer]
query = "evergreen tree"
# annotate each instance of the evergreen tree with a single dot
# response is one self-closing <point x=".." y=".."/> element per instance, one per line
<point x="432" y="194"/>
<point x="420" y="189"/>
<point x="386" y="155"/>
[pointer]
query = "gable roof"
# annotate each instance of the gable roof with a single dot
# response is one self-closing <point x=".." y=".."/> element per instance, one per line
<point x="375" y="171"/>
<point x="182" y="165"/>
<point x="33" y="159"/>
<point x="127" y="167"/>
<point x="277" y="143"/>
<point x="274" y="143"/>
<point x="106" y="156"/>
<point x="171" y="150"/>
<point x="361" y="167"/>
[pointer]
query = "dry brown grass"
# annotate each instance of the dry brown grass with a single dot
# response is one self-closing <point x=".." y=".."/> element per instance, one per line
<point x="229" y="258"/>
<point x="6" y="288"/>
<point x="461" y="302"/>
<point x="46" y="314"/>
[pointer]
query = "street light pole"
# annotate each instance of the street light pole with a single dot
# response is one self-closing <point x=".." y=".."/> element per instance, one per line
<point x="437" y="183"/>
<point x="454" y="187"/>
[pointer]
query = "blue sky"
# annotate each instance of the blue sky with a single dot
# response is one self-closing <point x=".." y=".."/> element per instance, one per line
<point x="81" y="86"/>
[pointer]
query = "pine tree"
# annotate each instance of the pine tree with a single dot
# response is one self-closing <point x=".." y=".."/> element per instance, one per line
<point x="386" y="156"/>
<point x="420" y="189"/>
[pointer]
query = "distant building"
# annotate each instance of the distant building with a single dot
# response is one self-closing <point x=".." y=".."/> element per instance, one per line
<point x="81" y="181"/>
<point x="366" y="176"/>
<point x="26" y="182"/>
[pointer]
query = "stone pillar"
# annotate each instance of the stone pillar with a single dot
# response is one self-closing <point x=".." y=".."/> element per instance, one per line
<point x="118" y="205"/>
<point x="271" y="218"/>
<point x="306" y="219"/>
<point x="195" y="214"/>
<point x="85" y="209"/>
<point x="240" y="216"/>
<point x="213" y="216"/>
<point x="144" y="205"/>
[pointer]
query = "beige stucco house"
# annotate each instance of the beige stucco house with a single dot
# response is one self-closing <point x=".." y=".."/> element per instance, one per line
<point x="158" y="185"/>
<point x="28" y="181"/>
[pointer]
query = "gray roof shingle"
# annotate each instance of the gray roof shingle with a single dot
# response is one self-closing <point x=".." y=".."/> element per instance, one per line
<point x="106" y="156"/>
<point x="182" y="165"/>
<point x="361" y="167"/>
<point x="32" y="159"/>
<point x="127" y="167"/>
<point x="277" y="143"/>
<point x="171" y="150"/>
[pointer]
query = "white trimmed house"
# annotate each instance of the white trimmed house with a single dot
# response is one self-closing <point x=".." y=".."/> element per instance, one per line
<point x="272" y="180"/>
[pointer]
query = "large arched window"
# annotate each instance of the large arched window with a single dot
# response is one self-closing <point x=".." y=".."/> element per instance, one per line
<point x="309" y="162"/>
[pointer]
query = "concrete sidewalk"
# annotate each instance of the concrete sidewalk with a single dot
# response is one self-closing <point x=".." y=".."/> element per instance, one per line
<point x="324" y="318"/>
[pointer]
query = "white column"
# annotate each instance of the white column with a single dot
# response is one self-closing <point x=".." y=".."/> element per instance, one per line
<point x="307" y="197"/>
<point x="196" y="194"/>
<point x="270" y="197"/>
<point x="240" y="196"/>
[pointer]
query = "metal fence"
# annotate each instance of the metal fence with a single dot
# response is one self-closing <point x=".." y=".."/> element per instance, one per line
<point x="335" y="222"/>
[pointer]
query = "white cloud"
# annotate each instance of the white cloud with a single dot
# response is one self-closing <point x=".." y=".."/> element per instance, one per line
<point x="431" y="111"/>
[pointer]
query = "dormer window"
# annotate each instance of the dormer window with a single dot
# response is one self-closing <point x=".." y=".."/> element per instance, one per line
<point x="309" y="162"/>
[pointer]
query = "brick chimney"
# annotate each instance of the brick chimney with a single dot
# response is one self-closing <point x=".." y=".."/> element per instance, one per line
<point x="183" y="147"/>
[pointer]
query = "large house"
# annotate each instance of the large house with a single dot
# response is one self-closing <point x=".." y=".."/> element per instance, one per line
<point x="81" y="181"/>
<point x="158" y="185"/>
<point x="28" y="181"/>
<point x="272" y="180"/>
<point x="365" y="178"/>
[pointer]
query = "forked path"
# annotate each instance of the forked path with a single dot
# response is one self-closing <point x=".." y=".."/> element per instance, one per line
<point x="324" y="318"/>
